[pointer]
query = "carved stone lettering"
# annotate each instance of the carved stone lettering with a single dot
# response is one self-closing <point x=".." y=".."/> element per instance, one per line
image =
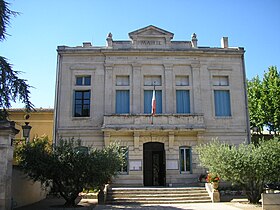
<point x="149" y="42"/>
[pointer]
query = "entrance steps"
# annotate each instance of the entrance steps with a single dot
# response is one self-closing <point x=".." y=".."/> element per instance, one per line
<point x="157" y="195"/>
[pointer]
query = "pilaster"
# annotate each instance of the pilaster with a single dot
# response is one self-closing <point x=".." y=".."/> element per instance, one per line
<point x="171" y="141"/>
<point x="197" y="102"/>
<point x="136" y="89"/>
<point x="169" y="106"/>
<point x="108" y="88"/>
<point x="107" y="138"/>
<point x="136" y="138"/>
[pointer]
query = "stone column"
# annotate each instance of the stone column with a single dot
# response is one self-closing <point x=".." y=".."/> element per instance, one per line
<point x="169" y="96"/>
<point x="136" y="89"/>
<point x="136" y="138"/>
<point x="108" y="88"/>
<point x="7" y="133"/>
<point x="171" y="141"/>
<point x="197" y="102"/>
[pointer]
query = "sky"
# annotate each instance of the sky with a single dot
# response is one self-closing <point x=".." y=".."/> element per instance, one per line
<point x="45" y="24"/>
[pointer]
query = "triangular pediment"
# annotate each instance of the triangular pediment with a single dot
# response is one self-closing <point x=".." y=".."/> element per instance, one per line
<point x="150" y="31"/>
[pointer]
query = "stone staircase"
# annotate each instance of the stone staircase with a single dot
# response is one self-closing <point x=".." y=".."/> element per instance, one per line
<point x="157" y="195"/>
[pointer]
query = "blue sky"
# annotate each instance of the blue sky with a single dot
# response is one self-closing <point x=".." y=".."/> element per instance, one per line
<point x="45" y="24"/>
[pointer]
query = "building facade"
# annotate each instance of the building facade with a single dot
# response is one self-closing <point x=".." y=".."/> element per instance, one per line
<point x="104" y="95"/>
<point x="40" y="120"/>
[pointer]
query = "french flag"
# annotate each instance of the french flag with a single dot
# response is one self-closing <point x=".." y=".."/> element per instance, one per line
<point x="154" y="103"/>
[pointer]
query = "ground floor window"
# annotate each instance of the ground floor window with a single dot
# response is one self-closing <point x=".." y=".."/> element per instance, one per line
<point x="124" y="167"/>
<point x="185" y="159"/>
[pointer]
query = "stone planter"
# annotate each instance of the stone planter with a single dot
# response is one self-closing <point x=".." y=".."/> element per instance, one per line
<point x="215" y="185"/>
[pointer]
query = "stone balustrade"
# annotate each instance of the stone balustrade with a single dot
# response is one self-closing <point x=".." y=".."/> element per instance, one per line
<point x="148" y="122"/>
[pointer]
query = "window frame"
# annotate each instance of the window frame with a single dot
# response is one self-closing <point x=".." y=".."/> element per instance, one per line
<point x="184" y="171"/>
<point x="84" y="80"/>
<point x="82" y="104"/>
<point x="216" y="75"/>
<point x="121" y="171"/>
<point x="229" y="104"/>
<point x="116" y="101"/>
<point x="189" y="101"/>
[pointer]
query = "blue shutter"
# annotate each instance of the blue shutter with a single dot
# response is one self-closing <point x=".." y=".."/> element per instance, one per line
<point x="148" y="95"/>
<point x="122" y="101"/>
<point x="158" y="102"/>
<point x="183" y="101"/>
<point x="222" y="103"/>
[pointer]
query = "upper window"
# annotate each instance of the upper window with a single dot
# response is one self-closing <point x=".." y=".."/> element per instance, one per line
<point x="122" y="101"/>
<point x="220" y="81"/>
<point x="182" y="80"/>
<point x="182" y="101"/>
<point x="152" y="80"/>
<point x="83" y="80"/>
<point x="122" y="80"/>
<point x="148" y="95"/>
<point x="82" y="103"/>
<point x="222" y="103"/>
<point x="185" y="159"/>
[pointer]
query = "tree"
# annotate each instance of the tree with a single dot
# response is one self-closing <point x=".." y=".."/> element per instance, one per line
<point x="69" y="167"/>
<point x="248" y="166"/>
<point x="270" y="99"/>
<point x="12" y="88"/>
<point x="263" y="101"/>
<point x="256" y="112"/>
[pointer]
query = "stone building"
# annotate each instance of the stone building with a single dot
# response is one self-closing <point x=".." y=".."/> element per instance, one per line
<point x="104" y="94"/>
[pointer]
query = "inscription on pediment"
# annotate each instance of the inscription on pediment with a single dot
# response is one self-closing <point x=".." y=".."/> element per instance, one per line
<point x="150" y="37"/>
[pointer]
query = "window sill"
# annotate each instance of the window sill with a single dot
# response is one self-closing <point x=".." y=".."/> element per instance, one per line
<point x="80" y="118"/>
<point x="223" y="117"/>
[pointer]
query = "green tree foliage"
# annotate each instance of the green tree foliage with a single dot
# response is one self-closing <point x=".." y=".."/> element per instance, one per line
<point x="248" y="166"/>
<point x="12" y="88"/>
<point x="256" y="112"/>
<point x="69" y="167"/>
<point x="271" y="98"/>
<point x="263" y="101"/>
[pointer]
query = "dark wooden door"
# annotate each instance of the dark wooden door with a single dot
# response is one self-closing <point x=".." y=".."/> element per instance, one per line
<point x="154" y="164"/>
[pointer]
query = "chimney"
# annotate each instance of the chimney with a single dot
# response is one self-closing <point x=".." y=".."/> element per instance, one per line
<point x="224" y="42"/>
<point x="86" y="44"/>
<point x="194" y="40"/>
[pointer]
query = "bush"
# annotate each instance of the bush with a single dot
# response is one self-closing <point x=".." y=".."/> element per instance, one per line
<point x="248" y="166"/>
<point x="69" y="167"/>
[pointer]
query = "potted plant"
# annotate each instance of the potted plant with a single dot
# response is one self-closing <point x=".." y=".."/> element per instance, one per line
<point x="214" y="180"/>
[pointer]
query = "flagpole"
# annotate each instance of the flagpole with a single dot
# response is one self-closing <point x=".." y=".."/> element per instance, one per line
<point x="153" y="111"/>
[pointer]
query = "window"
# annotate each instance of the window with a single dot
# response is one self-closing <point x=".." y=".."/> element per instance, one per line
<point x="220" y="81"/>
<point x="122" y="81"/>
<point x="182" y="101"/>
<point x="152" y="80"/>
<point x="83" y="80"/>
<point x="124" y="166"/>
<point x="185" y="159"/>
<point x="182" y="80"/>
<point x="82" y="103"/>
<point x="222" y="103"/>
<point x="148" y="95"/>
<point x="122" y="101"/>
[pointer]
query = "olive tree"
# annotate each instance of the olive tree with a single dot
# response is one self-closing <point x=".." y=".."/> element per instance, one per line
<point x="248" y="166"/>
<point x="69" y="167"/>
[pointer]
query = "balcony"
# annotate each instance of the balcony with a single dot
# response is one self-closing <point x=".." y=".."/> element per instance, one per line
<point x="167" y="122"/>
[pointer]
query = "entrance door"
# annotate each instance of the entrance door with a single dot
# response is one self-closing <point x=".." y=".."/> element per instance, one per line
<point x="154" y="164"/>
